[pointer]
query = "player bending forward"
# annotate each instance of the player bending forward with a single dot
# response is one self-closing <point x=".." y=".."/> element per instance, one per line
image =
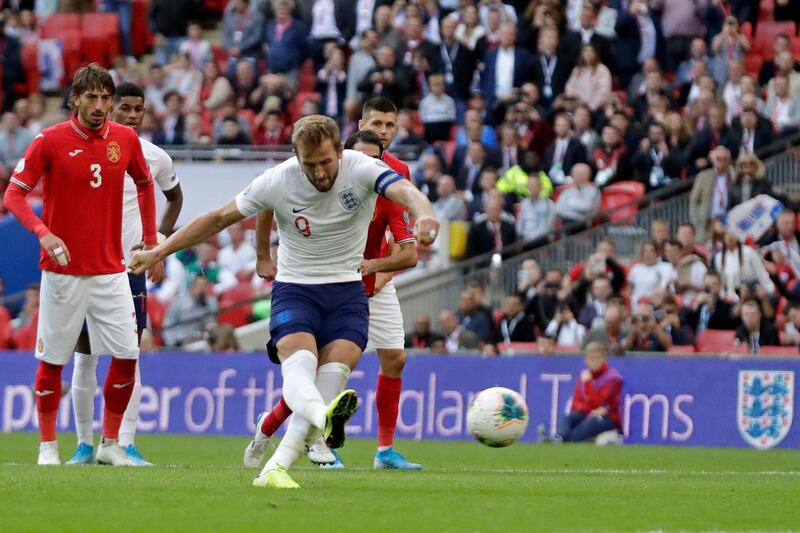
<point x="386" y="336"/>
<point x="83" y="164"/>
<point x="323" y="200"/>
<point x="128" y="111"/>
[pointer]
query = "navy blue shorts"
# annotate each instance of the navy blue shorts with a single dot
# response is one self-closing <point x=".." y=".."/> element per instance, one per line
<point x="138" y="283"/>
<point x="329" y="312"/>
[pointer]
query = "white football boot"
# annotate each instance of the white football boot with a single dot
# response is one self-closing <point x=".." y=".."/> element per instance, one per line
<point x="111" y="453"/>
<point x="254" y="452"/>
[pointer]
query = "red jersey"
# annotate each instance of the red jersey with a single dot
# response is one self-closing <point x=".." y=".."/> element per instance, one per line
<point x="390" y="215"/>
<point x="83" y="172"/>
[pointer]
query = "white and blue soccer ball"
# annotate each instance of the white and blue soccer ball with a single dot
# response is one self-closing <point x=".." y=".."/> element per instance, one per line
<point x="497" y="417"/>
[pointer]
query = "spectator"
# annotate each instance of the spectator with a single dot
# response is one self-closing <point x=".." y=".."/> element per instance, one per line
<point x="659" y="234"/>
<point x="24" y="326"/>
<point x="37" y="108"/>
<point x="195" y="46"/>
<point x="645" y="334"/>
<point x="490" y="232"/>
<point x="611" y="158"/>
<point x="593" y="311"/>
<point x="732" y="89"/>
<point x="242" y="33"/>
<point x="327" y="26"/>
<point x="414" y="39"/>
<point x="710" y="310"/>
<point x="637" y="38"/>
<point x="194" y="133"/>
<point x="786" y="66"/>
<point x="792" y="328"/>
<point x="168" y="22"/>
<point x="229" y="111"/>
<point x="215" y="89"/>
<point x="565" y="152"/>
<point x="150" y="129"/>
<point x="244" y="87"/>
<point x="680" y="23"/>
<point x="537" y="215"/>
<point x="546" y="345"/>
<point x="542" y="307"/>
<point x="14" y="139"/>
<point x="183" y="76"/>
<point x="11" y="63"/>
<point x="387" y="78"/>
<point x="422" y="336"/>
<point x="528" y="278"/>
<point x="206" y="264"/>
<point x="270" y="129"/>
<point x="679" y="135"/>
<point x="739" y="265"/>
<point x="469" y="30"/>
<point x="753" y="331"/>
<point x="427" y="175"/>
<point x="784" y="233"/>
<point x="515" y="325"/>
<point x="286" y="41"/>
<point x="548" y="71"/>
<point x="331" y="84"/>
<point x="611" y="332"/>
<point x="579" y="203"/>
<point x="582" y="121"/>
<point x="713" y="133"/>
<point x="686" y="236"/>
<point x="596" y="402"/>
<point x="648" y="276"/>
<point x="456" y="337"/>
<point x="590" y="80"/>
<point x="698" y="54"/>
<point x="173" y="122"/>
<point x="437" y="111"/>
<point x="585" y="33"/>
<point x="602" y="262"/>
<point x="769" y="67"/>
<point x="405" y="135"/>
<point x="709" y="197"/>
<point x="361" y="62"/>
<point x="505" y="67"/>
<point x="564" y="328"/>
<point x="750" y="136"/>
<point x="782" y="109"/>
<point x="728" y="44"/>
<point x="157" y="89"/>
<point x="189" y="314"/>
<point x="750" y="180"/>
<point x="456" y="62"/>
<point x="690" y="268"/>
<point x="450" y="205"/>
<point x="654" y="164"/>
<point x="239" y="256"/>
<point x="510" y="151"/>
<point x="472" y="119"/>
<point x="474" y="164"/>
<point x="670" y="322"/>
<point x="232" y="134"/>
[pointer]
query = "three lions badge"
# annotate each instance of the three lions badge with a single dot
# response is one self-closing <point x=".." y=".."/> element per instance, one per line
<point x="765" y="406"/>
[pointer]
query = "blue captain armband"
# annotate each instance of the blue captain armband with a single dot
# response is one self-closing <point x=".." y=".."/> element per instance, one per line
<point x="386" y="179"/>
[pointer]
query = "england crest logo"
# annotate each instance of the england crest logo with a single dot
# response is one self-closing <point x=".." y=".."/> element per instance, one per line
<point x="349" y="199"/>
<point x="765" y="406"/>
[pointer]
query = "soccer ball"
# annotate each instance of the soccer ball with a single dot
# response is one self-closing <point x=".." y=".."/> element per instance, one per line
<point x="497" y="417"/>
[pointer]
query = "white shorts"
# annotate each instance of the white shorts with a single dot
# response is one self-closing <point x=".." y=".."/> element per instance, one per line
<point x="104" y="301"/>
<point x="385" y="320"/>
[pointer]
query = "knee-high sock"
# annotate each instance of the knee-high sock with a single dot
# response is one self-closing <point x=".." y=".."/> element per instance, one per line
<point x="387" y="401"/>
<point x="127" y="430"/>
<point x="117" y="392"/>
<point x="300" y="391"/>
<point x="275" y="418"/>
<point x="331" y="379"/>
<point x="84" y="387"/>
<point x="47" y="386"/>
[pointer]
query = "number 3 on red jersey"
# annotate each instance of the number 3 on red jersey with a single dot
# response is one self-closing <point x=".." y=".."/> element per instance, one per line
<point x="98" y="179"/>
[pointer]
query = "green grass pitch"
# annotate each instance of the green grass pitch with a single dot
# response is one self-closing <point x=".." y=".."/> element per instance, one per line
<point x="200" y="485"/>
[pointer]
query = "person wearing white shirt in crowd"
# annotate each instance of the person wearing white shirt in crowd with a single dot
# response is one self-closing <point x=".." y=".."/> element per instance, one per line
<point x="470" y="30"/>
<point x="738" y="265"/>
<point x="449" y="205"/>
<point x="786" y="63"/>
<point x="239" y="256"/>
<point x="198" y="49"/>
<point x="581" y="202"/>
<point x="732" y="90"/>
<point x="565" y="328"/>
<point x="650" y="275"/>
<point x="437" y="110"/>
<point x="537" y="215"/>
<point x="783" y="109"/>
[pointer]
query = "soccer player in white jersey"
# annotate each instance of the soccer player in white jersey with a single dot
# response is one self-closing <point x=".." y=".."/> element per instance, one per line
<point x="323" y="200"/>
<point x="128" y="110"/>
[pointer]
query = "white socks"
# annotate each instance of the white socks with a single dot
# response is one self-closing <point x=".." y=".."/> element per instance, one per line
<point x="127" y="429"/>
<point x="300" y="392"/>
<point x="84" y="386"/>
<point x="331" y="379"/>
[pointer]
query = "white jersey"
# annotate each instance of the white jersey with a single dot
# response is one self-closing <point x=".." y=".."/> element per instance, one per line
<point x="164" y="175"/>
<point x="322" y="234"/>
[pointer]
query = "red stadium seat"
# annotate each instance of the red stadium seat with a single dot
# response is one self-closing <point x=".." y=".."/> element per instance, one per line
<point x="621" y="194"/>
<point x="299" y="100"/>
<point x="221" y="57"/>
<point x="235" y="305"/>
<point x="768" y="29"/>
<point x="715" y="341"/>
<point x="752" y="64"/>
<point x="779" y="350"/>
<point x="30" y="63"/>
<point x="141" y="35"/>
<point x="100" y="37"/>
<point x="56" y="24"/>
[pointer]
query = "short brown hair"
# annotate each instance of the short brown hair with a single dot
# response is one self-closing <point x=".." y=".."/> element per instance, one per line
<point x="314" y="129"/>
<point x="90" y="77"/>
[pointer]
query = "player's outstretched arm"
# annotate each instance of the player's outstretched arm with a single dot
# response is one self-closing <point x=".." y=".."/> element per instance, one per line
<point x="265" y="265"/>
<point x="195" y="232"/>
<point x="404" y="193"/>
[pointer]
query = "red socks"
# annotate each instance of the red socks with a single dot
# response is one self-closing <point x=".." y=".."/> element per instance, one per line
<point x="47" y="387"/>
<point x="387" y="401"/>
<point x="275" y="418"/>
<point x="117" y="393"/>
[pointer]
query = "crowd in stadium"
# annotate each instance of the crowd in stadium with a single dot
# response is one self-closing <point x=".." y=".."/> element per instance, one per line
<point x="527" y="115"/>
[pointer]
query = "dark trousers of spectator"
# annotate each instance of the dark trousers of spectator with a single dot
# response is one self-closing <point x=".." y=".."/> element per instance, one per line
<point x="678" y="49"/>
<point x="578" y="427"/>
<point x="123" y="9"/>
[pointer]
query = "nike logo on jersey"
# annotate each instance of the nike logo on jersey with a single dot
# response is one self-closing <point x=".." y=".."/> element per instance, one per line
<point x="122" y="385"/>
<point x="41" y="393"/>
<point x="75" y="152"/>
<point x="296" y="210"/>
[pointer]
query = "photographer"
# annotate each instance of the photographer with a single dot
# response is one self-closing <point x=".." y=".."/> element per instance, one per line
<point x="645" y="333"/>
<point x="542" y="307"/>
<point x="564" y="328"/>
<point x="754" y="332"/>
<point x="709" y="310"/>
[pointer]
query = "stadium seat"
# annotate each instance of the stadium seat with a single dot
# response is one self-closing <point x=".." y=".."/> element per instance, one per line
<point x="30" y="63"/>
<point x="56" y="24"/>
<point x="100" y="37"/>
<point x="141" y="35"/>
<point x="779" y="350"/>
<point x="235" y="305"/>
<point x="299" y="100"/>
<point x="715" y="341"/>
<point x="308" y="78"/>
<point x="752" y="64"/>
<point x="768" y="29"/>
<point x="617" y="195"/>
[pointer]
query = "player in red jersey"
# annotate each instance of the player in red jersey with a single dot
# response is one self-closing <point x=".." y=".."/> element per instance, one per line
<point x="386" y="335"/>
<point x="82" y="163"/>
